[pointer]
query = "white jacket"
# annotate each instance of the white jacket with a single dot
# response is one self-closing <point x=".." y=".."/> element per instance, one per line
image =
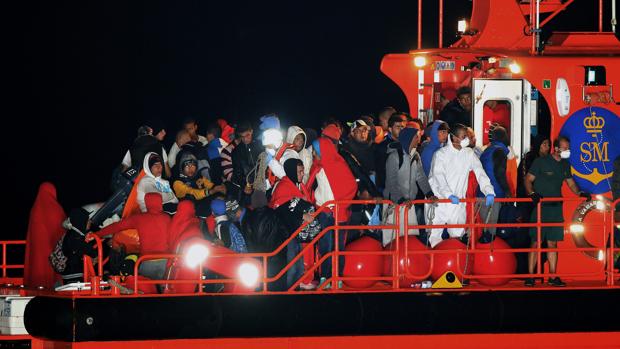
<point x="152" y="184"/>
<point x="305" y="155"/>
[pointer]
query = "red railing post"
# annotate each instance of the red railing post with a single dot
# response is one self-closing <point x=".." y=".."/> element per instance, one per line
<point x="396" y="256"/>
<point x="538" y="237"/>
<point x="336" y="256"/>
<point x="4" y="259"/>
<point x="419" y="24"/>
<point x="440" y="23"/>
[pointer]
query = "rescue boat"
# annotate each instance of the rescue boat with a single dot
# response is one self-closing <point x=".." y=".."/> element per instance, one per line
<point x="561" y="86"/>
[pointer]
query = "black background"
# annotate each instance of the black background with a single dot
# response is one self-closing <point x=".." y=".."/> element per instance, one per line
<point x="80" y="77"/>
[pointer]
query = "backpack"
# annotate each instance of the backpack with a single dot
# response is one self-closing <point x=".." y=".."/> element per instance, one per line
<point x="58" y="259"/>
<point x="237" y="241"/>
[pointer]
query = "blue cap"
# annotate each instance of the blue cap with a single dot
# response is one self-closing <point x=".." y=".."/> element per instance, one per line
<point x="316" y="147"/>
<point x="218" y="207"/>
<point x="269" y="121"/>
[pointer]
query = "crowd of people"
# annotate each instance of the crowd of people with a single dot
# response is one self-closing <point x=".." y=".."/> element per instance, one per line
<point x="249" y="189"/>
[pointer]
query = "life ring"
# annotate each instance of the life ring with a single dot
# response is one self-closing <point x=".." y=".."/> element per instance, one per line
<point x="601" y="204"/>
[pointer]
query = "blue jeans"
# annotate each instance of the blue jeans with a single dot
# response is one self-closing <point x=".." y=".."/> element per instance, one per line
<point x="296" y="271"/>
<point x="326" y="245"/>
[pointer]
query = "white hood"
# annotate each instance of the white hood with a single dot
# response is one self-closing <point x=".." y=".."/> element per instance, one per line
<point x="293" y="131"/>
<point x="145" y="164"/>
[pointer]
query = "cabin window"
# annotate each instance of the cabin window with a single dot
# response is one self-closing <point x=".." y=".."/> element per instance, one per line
<point x="595" y="75"/>
<point x="496" y="112"/>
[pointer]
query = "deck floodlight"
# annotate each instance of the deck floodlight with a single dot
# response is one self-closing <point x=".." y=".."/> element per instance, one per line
<point x="196" y="254"/>
<point x="248" y="274"/>
<point x="462" y="26"/>
<point x="419" y="61"/>
<point x="577" y="228"/>
<point x="514" y="68"/>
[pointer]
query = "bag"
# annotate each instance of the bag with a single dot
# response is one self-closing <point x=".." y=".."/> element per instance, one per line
<point x="57" y="258"/>
<point x="508" y="213"/>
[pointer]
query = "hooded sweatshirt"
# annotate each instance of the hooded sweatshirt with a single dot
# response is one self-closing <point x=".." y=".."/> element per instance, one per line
<point x="289" y="186"/>
<point x="44" y="231"/>
<point x="431" y="147"/>
<point x="305" y="155"/>
<point x="402" y="182"/>
<point x="334" y="178"/>
<point x="153" y="226"/>
<point x="184" y="225"/>
<point x="152" y="184"/>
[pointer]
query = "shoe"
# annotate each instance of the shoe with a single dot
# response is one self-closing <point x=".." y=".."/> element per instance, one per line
<point x="328" y="286"/>
<point x="557" y="282"/>
<point x="530" y="282"/>
<point x="307" y="287"/>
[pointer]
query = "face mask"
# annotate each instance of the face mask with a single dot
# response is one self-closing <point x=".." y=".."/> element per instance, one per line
<point x="565" y="154"/>
<point x="465" y="142"/>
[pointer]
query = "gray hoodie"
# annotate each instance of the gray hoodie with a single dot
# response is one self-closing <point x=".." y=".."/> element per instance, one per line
<point x="400" y="183"/>
<point x="152" y="184"/>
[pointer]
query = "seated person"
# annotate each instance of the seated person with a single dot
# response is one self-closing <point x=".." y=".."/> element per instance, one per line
<point x="188" y="184"/>
<point x="152" y="182"/>
<point x="227" y="232"/>
<point x="67" y="258"/>
<point x="153" y="232"/>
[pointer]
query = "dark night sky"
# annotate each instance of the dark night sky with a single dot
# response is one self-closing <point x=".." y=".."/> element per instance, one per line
<point x="83" y="75"/>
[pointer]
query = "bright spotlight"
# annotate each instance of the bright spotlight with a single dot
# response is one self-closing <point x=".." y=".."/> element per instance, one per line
<point x="514" y="68"/>
<point x="577" y="228"/>
<point x="461" y="26"/>
<point x="195" y="255"/>
<point x="272" y="137"/>
<point x="248" y="274"/>
<point x="419" y="61"/>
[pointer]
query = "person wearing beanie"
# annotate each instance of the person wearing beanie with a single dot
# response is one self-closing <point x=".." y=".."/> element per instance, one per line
<point x="190" y="184"/>
<point x="404" y="176"/>
<point x="227" y="232"/>
<point x="152" y="182"/>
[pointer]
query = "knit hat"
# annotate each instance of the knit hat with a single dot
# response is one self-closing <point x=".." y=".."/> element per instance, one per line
<point x="332" y="131"/>
<point x="218" y="207"/>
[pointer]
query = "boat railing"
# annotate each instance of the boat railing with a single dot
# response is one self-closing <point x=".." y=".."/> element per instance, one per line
<point x="605" y="252"/>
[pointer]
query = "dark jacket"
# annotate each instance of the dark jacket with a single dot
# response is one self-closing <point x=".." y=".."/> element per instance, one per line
<point x="142" y="146"/>
<point x="381" y="155"/>
<point x="244" y="159"/>
<point x="454" y="114"/>
<point x="359" y="172"/>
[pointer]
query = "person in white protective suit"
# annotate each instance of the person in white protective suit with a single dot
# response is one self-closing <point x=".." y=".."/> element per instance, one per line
<point x="448" y="179"/>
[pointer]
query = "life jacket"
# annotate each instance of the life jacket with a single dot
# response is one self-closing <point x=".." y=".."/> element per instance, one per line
<point x="270" y="176"/>
<point x="487" y="163"/>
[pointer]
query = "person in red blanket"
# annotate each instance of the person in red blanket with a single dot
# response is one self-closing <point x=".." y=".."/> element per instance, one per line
<point x="334" y="182"/>
<point x="291" y="201"/>
<point x="184" y="229"/>
<point x="44" y="231"/>
<point x="153" y="228"/>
